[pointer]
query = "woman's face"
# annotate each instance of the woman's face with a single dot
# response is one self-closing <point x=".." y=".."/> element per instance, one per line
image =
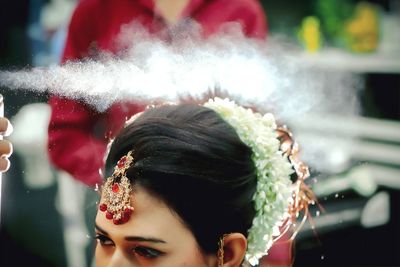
<point x="154" y="236"/>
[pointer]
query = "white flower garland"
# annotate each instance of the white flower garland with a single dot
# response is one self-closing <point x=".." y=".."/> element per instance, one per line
<point x="274" y="187"/>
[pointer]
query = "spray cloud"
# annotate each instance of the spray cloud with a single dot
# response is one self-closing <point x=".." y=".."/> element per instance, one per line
<point x="252" y="72"/>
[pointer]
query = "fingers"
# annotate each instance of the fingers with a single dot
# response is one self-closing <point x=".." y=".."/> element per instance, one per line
<point x="3" y="124"/>
<point x="5" y="127"/>
<point x="4" y="164"/>
<point x="6" y="150"/>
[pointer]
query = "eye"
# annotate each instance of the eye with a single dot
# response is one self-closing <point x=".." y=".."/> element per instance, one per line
<point x="104" y="240"/>
<point x="146" y="252"/>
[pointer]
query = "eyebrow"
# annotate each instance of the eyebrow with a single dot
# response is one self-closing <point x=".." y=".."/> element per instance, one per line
<point x="133" y="238"/>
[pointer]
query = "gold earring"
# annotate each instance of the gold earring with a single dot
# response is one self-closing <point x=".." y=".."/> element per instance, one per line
<point x="220" y="253"/>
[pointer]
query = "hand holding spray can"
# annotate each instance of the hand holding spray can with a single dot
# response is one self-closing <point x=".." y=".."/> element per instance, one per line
<point x="5" y="146"/>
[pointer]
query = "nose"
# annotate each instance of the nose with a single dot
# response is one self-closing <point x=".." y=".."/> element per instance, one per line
<point x="119" y="259"/>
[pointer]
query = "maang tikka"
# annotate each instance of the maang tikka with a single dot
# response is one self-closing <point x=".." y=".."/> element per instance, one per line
<point x="116" y="193"/>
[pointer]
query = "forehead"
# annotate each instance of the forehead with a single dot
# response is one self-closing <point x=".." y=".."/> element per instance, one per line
<point x="151" y="217"/>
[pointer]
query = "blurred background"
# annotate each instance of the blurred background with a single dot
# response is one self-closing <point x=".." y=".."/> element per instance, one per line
<point x="358" y="186"/>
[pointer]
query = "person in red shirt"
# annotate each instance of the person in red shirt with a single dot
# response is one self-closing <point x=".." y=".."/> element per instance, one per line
<point x="77" y="133"/>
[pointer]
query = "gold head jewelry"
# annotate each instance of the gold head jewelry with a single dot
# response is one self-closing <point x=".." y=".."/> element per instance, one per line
<point x="116" y="193"/>
<point x="303" y="195"/>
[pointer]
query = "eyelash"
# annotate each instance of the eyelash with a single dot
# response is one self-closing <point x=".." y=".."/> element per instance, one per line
<point x="103" y="239"/>
<point x="144" y="252"/>
<point x="147" y="253"/>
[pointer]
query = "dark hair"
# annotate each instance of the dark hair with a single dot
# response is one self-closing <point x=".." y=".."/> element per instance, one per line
<point x="193" y="160"/>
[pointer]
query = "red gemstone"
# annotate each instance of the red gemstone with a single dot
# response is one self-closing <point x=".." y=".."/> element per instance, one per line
<point x="103" y="207"/>
<point x="125" y="218"/>
<point x="115" y="188"/>
<point x="121" y="162"/>
<point x="128" y="212"/>
<point x="119" y="221"/>
<point x="126" y="215"/>
<point x="109" y="215"/>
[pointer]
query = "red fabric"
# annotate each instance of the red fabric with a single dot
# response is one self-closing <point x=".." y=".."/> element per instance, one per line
<point x="280" y="254"/>
<point x="77" y="133"/>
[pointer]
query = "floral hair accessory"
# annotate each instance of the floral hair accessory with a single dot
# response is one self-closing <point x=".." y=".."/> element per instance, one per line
<point x="116" y="193"/>
<point x="276" y="197"/>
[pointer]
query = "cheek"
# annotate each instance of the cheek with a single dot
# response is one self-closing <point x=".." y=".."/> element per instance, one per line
<point x="102" y="256"/>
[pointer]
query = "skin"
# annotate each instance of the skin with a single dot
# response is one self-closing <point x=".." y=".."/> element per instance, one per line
<point x="171" y="10"/>
<point x="169" y="242"/>
<point x="5" y="146"/>
<point x="150" y="219"/>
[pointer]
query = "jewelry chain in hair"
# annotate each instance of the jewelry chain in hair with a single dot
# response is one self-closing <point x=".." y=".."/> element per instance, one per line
<point x="303" y="195"/>
<point x="116" y="193"/>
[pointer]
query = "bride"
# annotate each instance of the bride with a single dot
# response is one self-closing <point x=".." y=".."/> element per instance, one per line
<point x="198" y="186"/>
